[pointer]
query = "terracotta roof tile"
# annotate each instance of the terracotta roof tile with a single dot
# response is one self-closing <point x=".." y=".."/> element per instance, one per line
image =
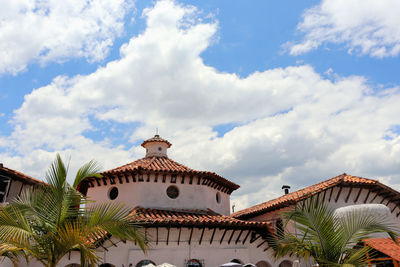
<point x="386" y="246"/>
<point x="156" y="138"/>
<point x="195" y="218"/>
<point x="152" y="164"/>
<point x="164" y="164"/>
<point x="294" y="197"/>
<point x="19" y="175"/>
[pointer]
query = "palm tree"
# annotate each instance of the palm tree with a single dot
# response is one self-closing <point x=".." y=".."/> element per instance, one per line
<point x="327" y="237"/>
<point x="48" y="221"/>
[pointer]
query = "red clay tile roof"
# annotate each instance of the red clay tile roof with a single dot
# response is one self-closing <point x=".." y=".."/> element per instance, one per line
<point x="294" y="197"/>
<point x="157" y="217"/>
<point x="161" y="164"/>
<point x="386" y="246"/>
<point x="164" y="164"/>
<point x="156" y="138"/>
<point x="18" y="175"/>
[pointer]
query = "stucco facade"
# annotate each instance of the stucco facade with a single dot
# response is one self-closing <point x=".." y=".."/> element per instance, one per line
<point x="343" y="192"/>
<point x="150" y="194"/>
<point x="191" y="224"/>
<point x="13" y="183"/>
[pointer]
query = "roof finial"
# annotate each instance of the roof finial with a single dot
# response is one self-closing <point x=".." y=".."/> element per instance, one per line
<point x="156" y="131"/>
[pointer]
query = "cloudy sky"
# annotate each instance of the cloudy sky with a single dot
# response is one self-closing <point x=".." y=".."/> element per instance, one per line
<point x="276" y="92"/>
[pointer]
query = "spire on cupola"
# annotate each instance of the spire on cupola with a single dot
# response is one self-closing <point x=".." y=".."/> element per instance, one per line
<point x="156" y="146"/>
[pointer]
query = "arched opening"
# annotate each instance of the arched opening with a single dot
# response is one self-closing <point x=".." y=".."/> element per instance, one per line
<point x="237" y="261"/>
<point x="286" y="263"/>
<point x="193" y="263"/>
<point x="263" y="264"/>
<point x="73" y="265"/>
<point x="144" y="263"/>
<point x="106" y="265"/>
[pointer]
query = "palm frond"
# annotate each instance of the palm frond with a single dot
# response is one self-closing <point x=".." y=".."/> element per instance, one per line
<point x="46" y="222"/>
<point x="329" y="239"/>
<point x="90" y="169"/>
<point x="115" y="219"/>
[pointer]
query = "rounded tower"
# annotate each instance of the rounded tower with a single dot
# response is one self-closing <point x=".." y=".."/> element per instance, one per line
<point x="158" y="182"/>
<point x="156" y="146"/>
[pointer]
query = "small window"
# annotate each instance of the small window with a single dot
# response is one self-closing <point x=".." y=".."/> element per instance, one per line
<point x="172" y="192"/>
<point x="193" y="263"/>
<point x="218" y="197"/>
<point x="159" y="148"/>
<point x="144" y="263"/>
<point x="113" y="193"/>
<point x="4" y="187"/>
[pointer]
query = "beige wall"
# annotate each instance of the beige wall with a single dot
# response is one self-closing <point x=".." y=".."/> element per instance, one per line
<point x="213" y="254"/>
<point x="153" y="195"/>
<point x="15" y="188"/>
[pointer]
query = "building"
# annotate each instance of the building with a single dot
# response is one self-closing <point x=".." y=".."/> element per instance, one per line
<point x="338" y="192"/>
<point x="184" y="212"/>
<point x="12" y="183"/>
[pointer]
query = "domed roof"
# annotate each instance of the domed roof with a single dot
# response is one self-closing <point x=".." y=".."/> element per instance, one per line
<point x="156" y="138"/>
<point x="378" y="210"/>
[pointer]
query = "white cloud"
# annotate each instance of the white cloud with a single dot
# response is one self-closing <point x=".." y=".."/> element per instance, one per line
<point x="293" y="125"/>
<point x="365" y="27"/>
<point x="51" y="30"/>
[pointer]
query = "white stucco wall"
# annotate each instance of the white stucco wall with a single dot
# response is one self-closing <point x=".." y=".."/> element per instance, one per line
<point x="153" y="195"/>
<point x="213" y="255"/>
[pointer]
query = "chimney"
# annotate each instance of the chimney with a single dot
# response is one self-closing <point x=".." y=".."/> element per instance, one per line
<point x="286" y="188"/>
<point x="1" y="165"/>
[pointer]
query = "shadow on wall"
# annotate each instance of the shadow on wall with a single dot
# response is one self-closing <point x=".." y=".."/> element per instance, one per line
<point x="286" y="263"/>
<point x="263" y="264"/>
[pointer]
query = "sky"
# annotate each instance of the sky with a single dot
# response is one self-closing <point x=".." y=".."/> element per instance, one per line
<point x="265" y="94"/>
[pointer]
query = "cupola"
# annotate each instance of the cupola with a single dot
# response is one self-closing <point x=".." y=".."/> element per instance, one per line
<point x="156" y="146"/>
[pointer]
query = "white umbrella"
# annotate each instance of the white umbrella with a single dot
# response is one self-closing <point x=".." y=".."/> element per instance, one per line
<point x="231" y="264"/>
<point x="249" y="265"/>
<point x="166" y="265"/>
<point x="150" y="265"/>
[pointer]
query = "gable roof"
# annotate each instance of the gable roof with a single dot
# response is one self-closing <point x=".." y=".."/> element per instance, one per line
<point x="166" y="165"/>
<point x="296" y="196"/>
<point x="386" y="246"/>
<point x="18" y="175"/>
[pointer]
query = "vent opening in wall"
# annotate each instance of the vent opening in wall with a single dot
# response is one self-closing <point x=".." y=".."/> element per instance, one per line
<point x="172" y="192"/>
<point x="218" y="197"/>
<point x="113" y="193"/>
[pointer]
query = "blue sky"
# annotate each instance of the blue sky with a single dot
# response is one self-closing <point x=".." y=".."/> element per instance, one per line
<point x="267" y="94"/>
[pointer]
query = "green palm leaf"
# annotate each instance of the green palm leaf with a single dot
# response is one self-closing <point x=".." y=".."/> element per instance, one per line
<point x="46" y="222"/>
<point x="327" y="238"/>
